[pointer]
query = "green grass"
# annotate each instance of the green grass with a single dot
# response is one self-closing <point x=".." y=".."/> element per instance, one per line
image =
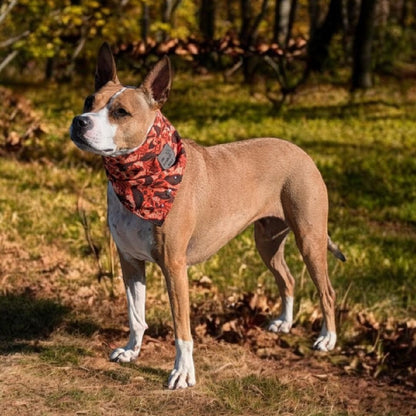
<point x="63" y="355"/>
<point x="251" y="393"/>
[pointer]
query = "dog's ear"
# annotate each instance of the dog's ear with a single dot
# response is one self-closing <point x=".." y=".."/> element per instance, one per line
<point x="157" y="83"/>
<point x="106" y="67"/>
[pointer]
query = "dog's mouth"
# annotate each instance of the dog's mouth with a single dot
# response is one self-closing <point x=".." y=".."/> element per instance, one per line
<point x="78" y="138"/>
<point x="82" y="143"/>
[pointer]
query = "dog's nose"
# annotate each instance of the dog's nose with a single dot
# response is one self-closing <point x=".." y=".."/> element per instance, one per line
<point x="83" y="122"/>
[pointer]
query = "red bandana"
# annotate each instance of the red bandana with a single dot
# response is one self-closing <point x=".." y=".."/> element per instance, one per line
<point x="146" y="180"/>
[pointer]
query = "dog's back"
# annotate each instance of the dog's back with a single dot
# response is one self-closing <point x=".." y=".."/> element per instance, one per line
<point x="227" y="187"/>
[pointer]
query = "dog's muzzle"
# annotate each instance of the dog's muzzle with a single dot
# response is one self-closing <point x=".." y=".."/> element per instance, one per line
<point x="80" y="125"/>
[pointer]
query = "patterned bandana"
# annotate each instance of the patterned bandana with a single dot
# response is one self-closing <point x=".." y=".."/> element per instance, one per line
<point x="146" y="180"/>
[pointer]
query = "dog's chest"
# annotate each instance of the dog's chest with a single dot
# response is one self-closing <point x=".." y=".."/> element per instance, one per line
<point x="133" y="236"/>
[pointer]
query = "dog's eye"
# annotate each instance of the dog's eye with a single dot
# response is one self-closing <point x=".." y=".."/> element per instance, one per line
<point x="120" y="112"/>
<point x="89" y="101"/>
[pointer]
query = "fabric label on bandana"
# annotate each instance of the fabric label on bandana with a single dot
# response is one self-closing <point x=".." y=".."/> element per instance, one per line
<point x="146" y="181"/>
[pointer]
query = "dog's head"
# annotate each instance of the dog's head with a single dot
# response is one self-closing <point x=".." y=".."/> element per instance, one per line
<point x="116" y="119"/>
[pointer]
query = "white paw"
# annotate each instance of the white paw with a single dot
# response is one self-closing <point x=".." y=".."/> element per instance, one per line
<point x="124" y="355"/>
<point x="181" y="379"/>
<point x="326" y="341"/>
<point x="280" y="325"/>
<point x="183" y="374"/>
<point x="283" y="323"/>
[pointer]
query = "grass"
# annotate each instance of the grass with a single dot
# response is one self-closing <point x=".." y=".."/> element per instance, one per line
<point x="58" y="323"/>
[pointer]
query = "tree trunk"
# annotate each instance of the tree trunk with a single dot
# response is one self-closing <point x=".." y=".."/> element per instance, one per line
<point x="248" y="33"/>
<point x="258" y="19"/>
<point x="207" y="19"/>
<point x="145" y="22"/>
<point x="292" y="15"/>
<point x="412" y="13"/>
<point x="169" y="7"/>
<point x="361" y="73"/>
<point x="168" y="11"/>
<point x="353" y="13"/>
<point x="231" y="16"/>
<point x="245" y="22"/>
<point x="281" y="21"/>
<point x="314" y="10"/>
<point x="318" y="46"/>
<point x="249" y="23"/>
<point x="404" y="13"/>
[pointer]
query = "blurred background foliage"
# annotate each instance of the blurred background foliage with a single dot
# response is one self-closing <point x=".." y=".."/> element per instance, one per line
<point x="283" y="41"/>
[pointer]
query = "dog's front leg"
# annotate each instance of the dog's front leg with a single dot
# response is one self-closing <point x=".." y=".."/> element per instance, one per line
<point x="183" y="373"/>
<point x="135" y="284"/>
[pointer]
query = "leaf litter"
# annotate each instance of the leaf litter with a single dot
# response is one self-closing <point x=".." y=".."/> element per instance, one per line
<point x="19" y="122"/>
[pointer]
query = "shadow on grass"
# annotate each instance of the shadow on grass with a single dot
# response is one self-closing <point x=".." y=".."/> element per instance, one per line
<point x="154" y="374"/>
<point x="24" y="318"/>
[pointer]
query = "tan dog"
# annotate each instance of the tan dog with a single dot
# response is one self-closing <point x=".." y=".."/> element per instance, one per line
<point x="175" y="203"/>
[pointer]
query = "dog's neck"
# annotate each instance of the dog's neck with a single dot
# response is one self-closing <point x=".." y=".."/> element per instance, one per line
<point x="146" y="180"/>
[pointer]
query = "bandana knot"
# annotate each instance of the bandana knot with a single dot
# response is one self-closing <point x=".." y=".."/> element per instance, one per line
<point x="146" y="180"/>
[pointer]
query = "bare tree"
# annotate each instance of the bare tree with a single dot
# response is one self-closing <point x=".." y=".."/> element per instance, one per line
<point x="281" y="21"/>
<point x="248" y="33"/>
<point x="250" y="23"/>
<point x="168" y="11"/>
<point x="362" y="49"/>
<point x="285" y="11"/>
<point x="404" y="13"/>
<point x="145" y="21"/>
<point x="207" y="19"/>
<point x="314" y="10"/>
<point x="5" y="9"/>
<point x="318" y="46"/>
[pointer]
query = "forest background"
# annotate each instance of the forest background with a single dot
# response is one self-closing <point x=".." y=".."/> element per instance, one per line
<point x="291" y="37"/>
<point x="336" y="77"/>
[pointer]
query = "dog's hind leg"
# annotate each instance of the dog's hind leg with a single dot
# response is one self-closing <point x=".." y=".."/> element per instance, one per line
<point x="270" y="235"/>
<point x="135" y="284"/>
<point x="315" y="256"/>
<point x="305" y="205"/>
<point x="312" y="242"/>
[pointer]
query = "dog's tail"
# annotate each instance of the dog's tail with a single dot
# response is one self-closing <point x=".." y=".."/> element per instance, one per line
<point x="333" y="248"/>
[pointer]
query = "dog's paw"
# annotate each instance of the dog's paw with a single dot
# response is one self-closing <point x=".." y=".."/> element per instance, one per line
<point x="280" y="325"/>
<point x="124" y="355"/>
<point x="183" y="373"/>
<point x="326" y="341"/>
<point x="181" y="379"/>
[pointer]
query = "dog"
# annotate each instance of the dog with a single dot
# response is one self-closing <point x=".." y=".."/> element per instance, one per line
<point x="175" y="203"/>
